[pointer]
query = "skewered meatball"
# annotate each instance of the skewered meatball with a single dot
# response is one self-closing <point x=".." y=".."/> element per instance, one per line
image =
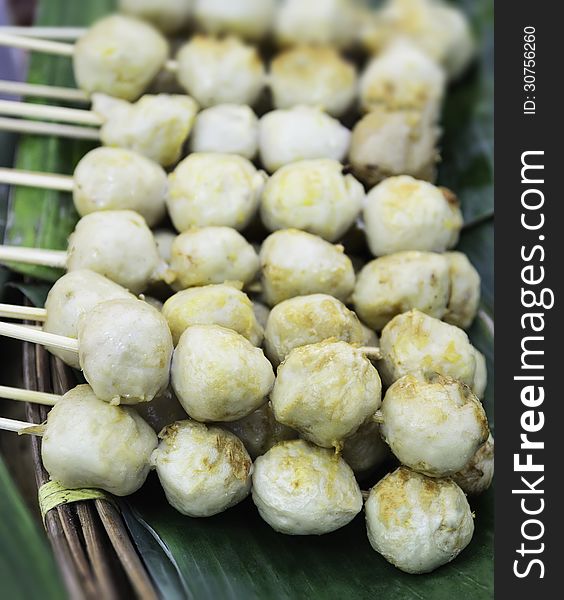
<point x="365" y="450"/>
<point x="119" y="56"/>
<point x="300" y="489"/>
<point x="220" y="71"/>
<point x="226" y="129"/>
<point x="307" y="320"/>
<point x="477" y="475"/>
<point x="385" y="144"/>
<point x="418" y="523"/>
<point x="161" y="411"/>
<point x="464" y="292"/>
<point x="480" y="376"/>
<point x="92" y="444"/>
<point x="203" y="470"/>
<point x="213" y="305"/>
<point x="218" y="375"/>
<point x="260" y="431"/>
<point x="169" y="16"/>
<point x="156" y="126"/>
<point x="125" y="349"/>
<point x="313" y="77"/>
<point x="212" y="255"/>
<point x="114" y="179"/>
<point x="414" y="341"/>
<point x="214" y="190"/>
<point x="312" y="195"/>
<point x="262" y="313"/>
<point x="119" y="245"/>
<point x="433" y="424"/>
<point x="326" y="391"/>
<point x="403" y="213"/>
<point x="164" y="240"/>
<point x="70" y="297"/>
<point x="394" y="284"/>
<point x="296" y="263"/>
<point x="249" y="19"/>
<point x="300" y="133"/>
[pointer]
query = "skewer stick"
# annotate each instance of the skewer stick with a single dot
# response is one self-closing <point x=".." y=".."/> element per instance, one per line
<point x="36" y="336"/>
<point x="34" y="256"/>
<point x="49" y="181"/>
<point x="11" y="393"/>
<point x="70" y="34"/>
<point x="16" y="88"/>
<point x="18" y="426"/>
<point x="56" y="129"/>
<point x="371" y="352"/>
<point x="12" y="108"/>
<point x="26" y="313"/>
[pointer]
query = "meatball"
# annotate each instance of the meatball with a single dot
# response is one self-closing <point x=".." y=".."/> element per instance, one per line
<point x="477" y="475"/>
<point x="218" y="375"/>
<point x="296" y="263"/>
<point x="92" y="444"/>
<point x="307" y="320"/>
<point x="119" y="245"/>
<point x="125" y="349"/>
<point x="73" y="295"/>
<point x="402" y="213"/>
<point x="164" y="240"/>
<point x="212" y="255"/>
<point x="226" y="129"/>
<point x="365" y="450"/>
<point x="169" y="16"/>
<point x="464" y="291"/>
<point x="214" y="190"/>
<point x="117" y="179"/>
<point x="480" y="381"/>
<point x="394" y="284"/>
<point x="326" y="391"/>
<point x="312" y="195"/>
<point x="203" y="470"/>
<point x="220" y="71"/>
<point x="222" y="305"/>
<point x="119" y="56"/>
<point x="161" y="411"/>
<point x="417" y="523"/>
<point x="313" y="77"/>
<point x="300" y="133"/>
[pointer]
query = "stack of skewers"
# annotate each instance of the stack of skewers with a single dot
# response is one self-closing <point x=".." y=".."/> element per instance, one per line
<point x="279" y="366"/>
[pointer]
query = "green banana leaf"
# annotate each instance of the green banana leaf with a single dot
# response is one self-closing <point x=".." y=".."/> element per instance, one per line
<point x="236" y="555"/>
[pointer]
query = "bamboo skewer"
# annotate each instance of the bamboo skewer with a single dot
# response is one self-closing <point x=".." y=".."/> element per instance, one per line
<point x="56" y="129"/>
<point x="37" y="336"/>
<point x="70" y="34"/>
<point x="20" y="395"/>
<point x="78" y="116"/>
<point x="49" y="181"/>
<point x="16" y="426"/>
<point x="16" y="88"/>
<point x="34" y="256"/>
<point x="26" y="313"/>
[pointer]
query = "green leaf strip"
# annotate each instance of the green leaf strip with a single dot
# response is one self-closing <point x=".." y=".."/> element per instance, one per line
<point x="52" y="494"/>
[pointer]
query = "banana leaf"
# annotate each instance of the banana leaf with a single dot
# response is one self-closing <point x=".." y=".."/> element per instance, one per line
<point x="236" y="555"/>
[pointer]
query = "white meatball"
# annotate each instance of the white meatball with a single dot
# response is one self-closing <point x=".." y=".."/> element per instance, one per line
<point x="464" y="291"/>
<point x="226" y="129"/>
<point x="213" y="305"/>
<point x="218" y="375"/>
<point x="414" y="341"/>
<point x="313" y="77"/>
<point x="300" y="133"/>
<point x="403" y="78"/>
<point x="433" y="424"/>
<point x="296" y="263"/>
<point x="312" y="195"/>
<point x="220" y="71"/>
<point x="477" y="475"/>
<point x="119" y="56"/>
<point x="307" y="320"/>
<point x="418" y="523"/>
<point x="119" y="245"/>
<point x="260" y="431"/>
<point x="161" y="411"/>
<point x="385" y="144"/>
<point x="249" y="19"/>
<point x="125" y="348"/>
<point x="262" y="313"/>
<point x="164" y="240"/>
<point x="365" y="450"/>
<point x="326" y="391"/>
<point x="319" y="22"/>
<point x="114" y="179"/>
<point x="214" y="190"/>
<point x="203" y="470"/>
<point x="300" y="489"/>
<point x="70" y="297"/>
<point x="92" y="444"/>
<point x="480" y="376"/>
<point x="168" y="15"/>
<point x="394" y="284"/>
<point x="402" y="213"/>
<point x="212" y="255"/>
